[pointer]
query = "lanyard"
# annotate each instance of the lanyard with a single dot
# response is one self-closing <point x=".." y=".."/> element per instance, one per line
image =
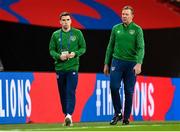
<point x="68" y="40"/>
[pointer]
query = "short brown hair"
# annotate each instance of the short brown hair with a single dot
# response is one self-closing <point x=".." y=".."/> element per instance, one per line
<point x="128" y="8"/>
<point x="64" y="14"/>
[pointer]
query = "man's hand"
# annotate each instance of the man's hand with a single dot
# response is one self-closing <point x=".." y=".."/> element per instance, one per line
<point x="71" y="55"/>
<point x="106" y="69"/>
<point x="137" y="69"/>
<point x="67" y="56"/>
<point x="63" y="57"/>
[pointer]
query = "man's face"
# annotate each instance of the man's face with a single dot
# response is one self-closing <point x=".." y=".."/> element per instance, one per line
<point x="127" y="16"/>
<point x="65" y="22"/>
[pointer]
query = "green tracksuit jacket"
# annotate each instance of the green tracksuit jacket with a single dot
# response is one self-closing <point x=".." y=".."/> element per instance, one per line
<point x="126" y="43"/>
<point x="73" y="41"/>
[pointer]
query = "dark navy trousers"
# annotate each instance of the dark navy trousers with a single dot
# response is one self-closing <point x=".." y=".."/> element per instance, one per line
<point x="67" y="83"/>
<point x="122" y="71"/>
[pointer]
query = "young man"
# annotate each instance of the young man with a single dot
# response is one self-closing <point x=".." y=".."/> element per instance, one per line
<point x="126" y="49"/>
<point x="66" y="46"/>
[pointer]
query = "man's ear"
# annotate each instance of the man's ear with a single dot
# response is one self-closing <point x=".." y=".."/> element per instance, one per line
<point x="132" y="15"/>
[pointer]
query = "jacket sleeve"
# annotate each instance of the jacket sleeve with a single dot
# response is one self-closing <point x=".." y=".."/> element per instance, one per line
<point x="82" y="45"/>
<point x="140" y="46"/>
<point x="52" y="48"/>
<point x="110" y="48"/>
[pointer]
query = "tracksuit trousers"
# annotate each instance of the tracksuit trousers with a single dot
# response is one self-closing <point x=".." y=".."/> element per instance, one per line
<point x="67" y="83"/>
<point x="122" y="71"/>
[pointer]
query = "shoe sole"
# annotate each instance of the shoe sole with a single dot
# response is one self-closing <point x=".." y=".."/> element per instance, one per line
<point x="67" y="122"/>
<point x="125" y="123"/>
<point x="115" y="123"/>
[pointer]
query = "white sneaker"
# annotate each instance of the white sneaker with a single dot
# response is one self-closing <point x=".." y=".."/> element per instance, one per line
<point x="68" y="120"/>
